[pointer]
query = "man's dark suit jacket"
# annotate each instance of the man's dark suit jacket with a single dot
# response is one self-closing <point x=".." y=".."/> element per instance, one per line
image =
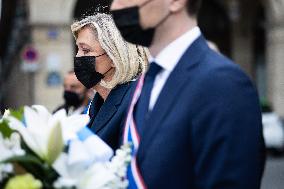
<point x="107" y="117"/>
<point x="205" y="130"/>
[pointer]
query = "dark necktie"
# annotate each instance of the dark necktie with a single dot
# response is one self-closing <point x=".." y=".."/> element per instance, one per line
<point x="142" y="107"/>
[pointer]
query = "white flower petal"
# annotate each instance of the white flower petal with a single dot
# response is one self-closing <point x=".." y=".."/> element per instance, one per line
<point x="42" y="112"/>
<point x="78" y="153"/>
<point x="76" y="122"/>
<point x="60" y="165"/>
<point x="6" y="114"/>
<point x="98" y="148"/>
<point x="57" y="118"/>
<point x="32" y="119"/>
<point x="64" y="183"/>
<point x="59" y="115"/>
<point x="98" y="176"/>
<point x="28" y="138"/>
<point x="36" y="125"/>
<point x="55" y="144"/>
<point x="71" y="125"/>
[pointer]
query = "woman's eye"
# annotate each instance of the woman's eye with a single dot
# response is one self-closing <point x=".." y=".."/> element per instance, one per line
<point x="86" y="51"/>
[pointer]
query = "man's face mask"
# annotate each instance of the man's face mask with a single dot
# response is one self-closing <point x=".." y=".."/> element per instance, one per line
<point x="128" y="23"/>
<point x="72" y="99"/>
<point x="85" y="71"/>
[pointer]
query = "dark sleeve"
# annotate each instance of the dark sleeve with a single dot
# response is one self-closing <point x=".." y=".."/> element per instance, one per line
<point x="227" y="133"/>
<point x="59" y="108"/>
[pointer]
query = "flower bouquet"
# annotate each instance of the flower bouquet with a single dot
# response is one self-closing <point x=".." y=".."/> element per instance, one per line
<point x="41" y="150"/>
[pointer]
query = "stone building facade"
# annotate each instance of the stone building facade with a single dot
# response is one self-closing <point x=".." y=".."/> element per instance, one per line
<point x="257" y="48"/>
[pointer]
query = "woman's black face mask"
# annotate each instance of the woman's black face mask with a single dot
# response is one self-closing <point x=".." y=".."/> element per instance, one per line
<point x="85" y="71"/>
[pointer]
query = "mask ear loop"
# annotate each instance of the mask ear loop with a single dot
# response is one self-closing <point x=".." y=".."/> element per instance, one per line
<point x="108" y="69"/>
<point x="100" y="55"/>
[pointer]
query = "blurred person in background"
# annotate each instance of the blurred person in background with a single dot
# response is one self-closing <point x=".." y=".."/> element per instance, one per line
<point x="107" y="64"/>
<point x="76" y="96"/>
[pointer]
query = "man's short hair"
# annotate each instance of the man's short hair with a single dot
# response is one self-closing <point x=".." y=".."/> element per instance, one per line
<point x="193" y="7"/>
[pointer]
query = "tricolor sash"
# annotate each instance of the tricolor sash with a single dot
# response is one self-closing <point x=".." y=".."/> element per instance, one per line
<point x="130" y="135"/>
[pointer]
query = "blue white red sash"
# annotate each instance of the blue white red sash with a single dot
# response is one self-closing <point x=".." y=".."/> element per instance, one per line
<point x="130" y="135"/>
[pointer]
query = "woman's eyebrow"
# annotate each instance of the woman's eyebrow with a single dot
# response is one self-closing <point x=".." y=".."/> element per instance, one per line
<point x="82" y="44"/>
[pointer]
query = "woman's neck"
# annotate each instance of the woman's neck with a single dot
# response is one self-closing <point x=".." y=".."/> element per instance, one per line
<point x="103" y="92"/>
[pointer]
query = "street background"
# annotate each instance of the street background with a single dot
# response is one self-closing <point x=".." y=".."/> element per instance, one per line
<point x="274" y="173"/>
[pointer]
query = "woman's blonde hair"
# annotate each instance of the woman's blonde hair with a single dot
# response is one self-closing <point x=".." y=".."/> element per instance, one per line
<point x="129" y="60"/>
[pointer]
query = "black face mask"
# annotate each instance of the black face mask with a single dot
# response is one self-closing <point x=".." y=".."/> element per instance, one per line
<point x="85" y="71"/>
<point x="127" y="22"/>
<point x="72" y="99"/>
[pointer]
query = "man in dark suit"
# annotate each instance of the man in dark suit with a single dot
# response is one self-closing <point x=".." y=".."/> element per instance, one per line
<point x="198" y="118"/>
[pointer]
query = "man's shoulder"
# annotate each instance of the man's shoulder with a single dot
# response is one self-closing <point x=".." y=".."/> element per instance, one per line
<point x="206" y="59"/>
<point x="63" y="106"/>
<point x="215" y="72"/>
<point x="214" y="65"/>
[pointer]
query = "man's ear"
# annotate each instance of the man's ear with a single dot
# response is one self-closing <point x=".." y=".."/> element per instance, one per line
<point x="177" y="5"/>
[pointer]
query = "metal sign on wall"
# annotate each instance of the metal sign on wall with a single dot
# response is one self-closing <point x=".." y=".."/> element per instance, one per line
<point x="30" y="61"/>
<point x="53" y="67"/>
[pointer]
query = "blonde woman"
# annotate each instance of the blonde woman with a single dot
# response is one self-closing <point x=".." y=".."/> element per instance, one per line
<point x="108" y="64"/>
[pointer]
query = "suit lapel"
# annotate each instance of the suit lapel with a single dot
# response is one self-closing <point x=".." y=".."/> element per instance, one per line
<point x="109" y="108"/>
<point x="173" y="86"/>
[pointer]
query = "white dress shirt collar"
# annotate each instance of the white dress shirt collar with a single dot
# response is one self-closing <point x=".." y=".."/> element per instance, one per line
<point x="171" y="54"/>
<point x="168" y="59"/>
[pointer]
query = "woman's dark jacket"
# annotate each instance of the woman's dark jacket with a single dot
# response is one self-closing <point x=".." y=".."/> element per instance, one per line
<point x="107" y="118"/>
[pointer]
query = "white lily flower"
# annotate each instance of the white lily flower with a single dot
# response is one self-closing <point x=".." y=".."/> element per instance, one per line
<point x="120" y="161"/>
<point x="97" y="177"/>
<point x="108" y="175"/>
<point x="102" y="174"/>
<point x="72" y="124"/>
<point x="81" y="155"/>
<point x="6" y="114"/>
<point x="45" y="133"/>
<point x="9" y="148"/>
<point x="5" y="169"/>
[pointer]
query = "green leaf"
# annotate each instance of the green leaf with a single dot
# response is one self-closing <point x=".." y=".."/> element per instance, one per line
<point x="24" y="159"/>
<point x="5" y="129"/>
<point x="30" y="163"/>
<point x="36" y="167"/>
<point x="55" y="143"/>
<point x="18" y="114"/>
